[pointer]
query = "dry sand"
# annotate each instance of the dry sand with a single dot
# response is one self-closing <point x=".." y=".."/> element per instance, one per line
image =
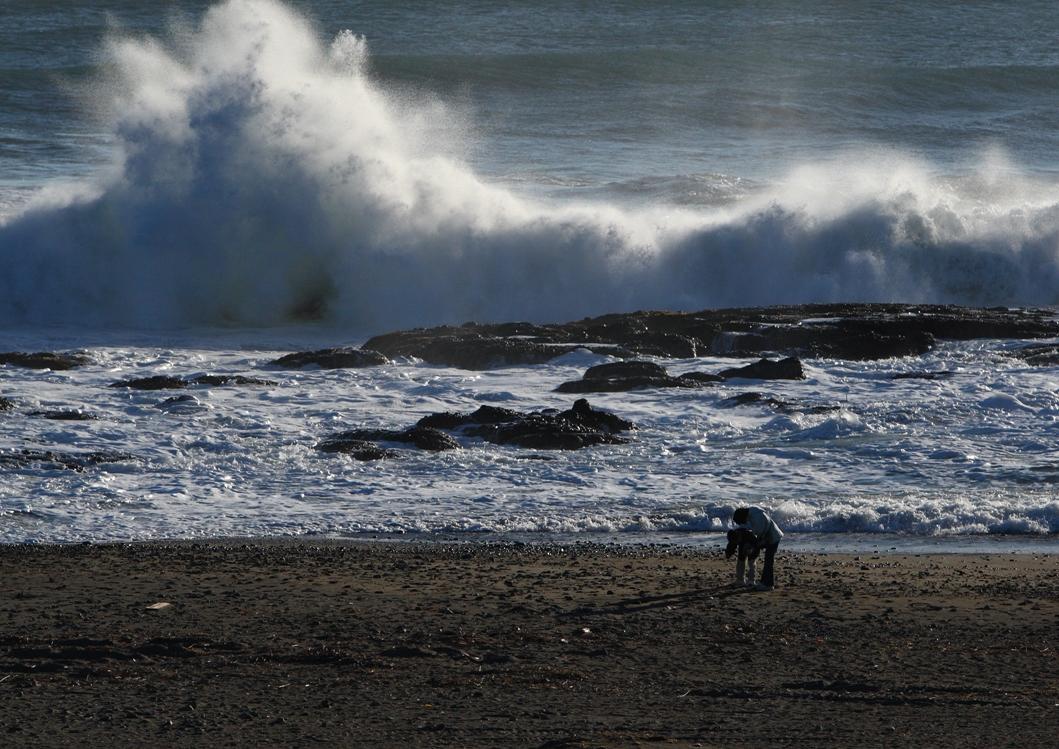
<point x="298" y="644"/>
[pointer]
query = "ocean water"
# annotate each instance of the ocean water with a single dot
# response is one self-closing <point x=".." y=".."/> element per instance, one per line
<point x="195" y="187"/>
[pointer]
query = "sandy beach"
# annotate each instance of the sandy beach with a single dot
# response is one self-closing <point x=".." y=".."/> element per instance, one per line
<point x="395" y="644"/>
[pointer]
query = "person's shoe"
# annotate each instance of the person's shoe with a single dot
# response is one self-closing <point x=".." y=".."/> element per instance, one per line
<point x="762" y="587"/>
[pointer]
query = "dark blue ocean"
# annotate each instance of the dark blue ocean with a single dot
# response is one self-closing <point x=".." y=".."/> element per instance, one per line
<point x="198" y="187"/>
<point x="689" y="102"/>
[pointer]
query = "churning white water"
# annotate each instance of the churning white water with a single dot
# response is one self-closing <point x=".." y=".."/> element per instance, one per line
<point x="262" y="177"/>
<point x="256" y="175"/>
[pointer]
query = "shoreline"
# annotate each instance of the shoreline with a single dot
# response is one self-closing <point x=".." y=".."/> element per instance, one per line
<point x="705" y="541"/>
<point x="289" y="642"/>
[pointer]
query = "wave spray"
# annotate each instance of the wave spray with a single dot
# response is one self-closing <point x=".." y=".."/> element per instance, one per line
<point x="262" y="176"/>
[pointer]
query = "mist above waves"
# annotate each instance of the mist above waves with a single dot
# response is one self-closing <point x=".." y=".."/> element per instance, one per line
<point x="263" y="176"/>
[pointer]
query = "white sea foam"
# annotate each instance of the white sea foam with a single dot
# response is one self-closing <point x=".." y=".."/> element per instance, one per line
<point x="919" y="457"/>
<point x="264" y="176"/>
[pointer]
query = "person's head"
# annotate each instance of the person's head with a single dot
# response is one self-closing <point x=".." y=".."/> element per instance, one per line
<point x="740" y="515"/>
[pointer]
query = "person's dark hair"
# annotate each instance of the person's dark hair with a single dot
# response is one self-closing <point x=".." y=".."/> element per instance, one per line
<point x="740" y="515"/>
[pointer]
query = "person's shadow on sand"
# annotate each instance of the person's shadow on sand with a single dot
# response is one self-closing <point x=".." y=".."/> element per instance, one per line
<point x="646" y="603"/>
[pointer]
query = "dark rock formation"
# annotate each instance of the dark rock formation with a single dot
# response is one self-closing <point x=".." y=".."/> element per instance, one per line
<point x="225" y="380"/>
<point x="1043" y="355"/>
<point x="65" y="415"/>
<point x="360" y="443"/>
<point x="423" y="437"/>
<point x="633" y="375"/>
<point x="6" y="404"/>
<point x="939" y="375"/>
<point x="182" y="404"/>
<point x="760" y="399"/>
<point x="45" y="360"/>
<point x="444" y="420"/>
<point x="50" y="459"/>
<point x="767" y="369"/>
<point x="156" y="382"/>
<point x="843" y="331"/>
<point x="358" y="449"/>
<point x="580" y="426"/>
<point x="333" y="358"/>
<point x="171" y="382"/>
<point x="625" y="369"/>
<point x="701" y="377"/>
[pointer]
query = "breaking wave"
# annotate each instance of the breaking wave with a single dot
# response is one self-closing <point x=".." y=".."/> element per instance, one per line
<point x="263" y="176"/>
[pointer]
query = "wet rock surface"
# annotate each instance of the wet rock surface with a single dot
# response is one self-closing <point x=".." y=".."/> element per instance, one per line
<point x="355" y="448"/>
<point x="74" y="414"/>
<point x="625" y="376"/>
<point x="620" y="377"/>
<point x="762" y="399"/>
<point x="332" y="358"/>
<point x="578" y="427"/>
<point x="767" y="369"/>
<point x="842" y="331"/>
<point x="1044" y="355"/>
<point x="937" y="375"/>
<point x="78" y="461"/>
<point x="229" y="380"/>
<point x="423" y="437"/>
<point x="6" y="404"/>
<point x="45" y="360"/>
<point x="172" y="382"/>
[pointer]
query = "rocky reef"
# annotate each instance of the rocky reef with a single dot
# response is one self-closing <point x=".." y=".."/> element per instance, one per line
<point x="549" y="429"/>
<point x="45" y="360"/>
<point x="841" y="331"/>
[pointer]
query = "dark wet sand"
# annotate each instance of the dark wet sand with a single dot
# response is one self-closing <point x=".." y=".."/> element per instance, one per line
<point x="296" y="644"/>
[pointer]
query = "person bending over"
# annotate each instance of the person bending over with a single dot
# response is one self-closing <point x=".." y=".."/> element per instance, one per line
<point x="758" y="522"/>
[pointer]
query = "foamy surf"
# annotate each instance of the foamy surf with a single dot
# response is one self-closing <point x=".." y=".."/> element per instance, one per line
<point x="262" y="176"/>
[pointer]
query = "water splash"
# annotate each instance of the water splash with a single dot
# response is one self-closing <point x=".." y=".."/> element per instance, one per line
<point x="263" y="176"/>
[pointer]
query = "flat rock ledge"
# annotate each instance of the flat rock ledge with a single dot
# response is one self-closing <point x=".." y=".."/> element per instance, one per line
<point x="332" y="358"/>
<point x="172" y="382"/>
<point x="45" y="360"/>
<point x="643" y="375"/>
<point x="1040" y="355"/>
<point x="840" y="331"/>
<point x="74" y="461"/>
<point x="578" y="427"/>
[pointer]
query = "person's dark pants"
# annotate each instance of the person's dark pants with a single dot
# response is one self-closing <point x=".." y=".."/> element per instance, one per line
<point x="767" y="574"/>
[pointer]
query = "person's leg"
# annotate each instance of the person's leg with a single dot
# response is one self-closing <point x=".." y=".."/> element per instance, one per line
<point x="740" y="565"/>
<point x="768" y="573"/>
<point x="751" y="568"/>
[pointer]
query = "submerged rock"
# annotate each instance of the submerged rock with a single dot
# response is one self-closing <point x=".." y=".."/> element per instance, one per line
<point x="6" y="404"/>
<point x="625" y="369"/>
<point x="333" y="358"/>
<point x="51" y="459"/>
<point x="938" y="375"/>
<point x="45" y="360"/>
<point x="423" y="437"/>
<point x="65" y="415"/>
<point x="182" y="404"/>
<point x="355" y="448"/>
<point x="761" y="399"/>
<point x="1041" y="355"/>
<point x="155" y="382"/>
<point x="767" y="369"/>
<point x="171" y="382"/>
<point x="633" y="375"/>
<point x="843" y="331"/>
<point x="580" y="426"/>
<point x="225" y="380"/>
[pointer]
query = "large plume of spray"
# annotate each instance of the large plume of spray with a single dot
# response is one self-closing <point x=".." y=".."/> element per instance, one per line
<point x="263" y="176"/>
